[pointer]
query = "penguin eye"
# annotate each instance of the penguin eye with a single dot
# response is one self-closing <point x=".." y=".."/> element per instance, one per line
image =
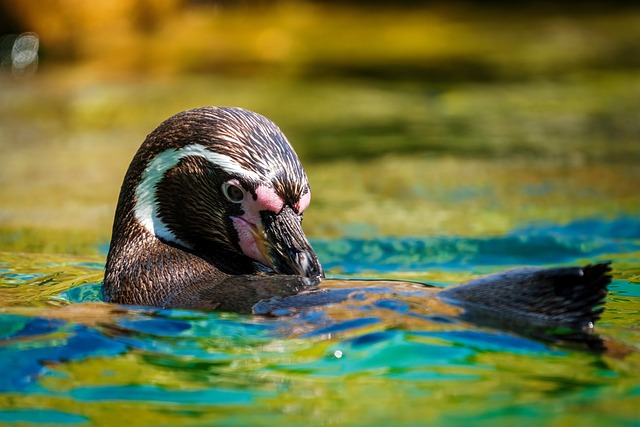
<point x="233" y="193"/>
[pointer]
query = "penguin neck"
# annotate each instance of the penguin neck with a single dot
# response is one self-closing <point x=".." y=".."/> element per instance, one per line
<point x="219" y="258"/>
<point x="143" y="270"/>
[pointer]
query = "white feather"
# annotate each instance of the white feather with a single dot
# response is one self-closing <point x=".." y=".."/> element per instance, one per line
<point x="146" y="207"/>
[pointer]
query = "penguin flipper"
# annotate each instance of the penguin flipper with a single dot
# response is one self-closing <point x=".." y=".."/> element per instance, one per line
<point x="569" y="298"/>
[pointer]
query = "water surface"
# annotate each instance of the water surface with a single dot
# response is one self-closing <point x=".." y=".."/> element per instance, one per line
<point x="69" y="359"/>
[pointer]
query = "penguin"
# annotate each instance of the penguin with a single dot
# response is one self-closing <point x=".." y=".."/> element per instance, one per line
<point x="209" y="217"/>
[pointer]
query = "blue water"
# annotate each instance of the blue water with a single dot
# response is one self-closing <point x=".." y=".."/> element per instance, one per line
<point x="589" y="239"/>
<point x="377" y="359"/>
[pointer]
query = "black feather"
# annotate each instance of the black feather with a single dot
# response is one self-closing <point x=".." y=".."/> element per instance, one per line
<point x="556" y="303"/>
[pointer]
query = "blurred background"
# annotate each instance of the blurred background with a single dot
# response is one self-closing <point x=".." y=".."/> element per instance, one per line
<point x="413" y="118"/>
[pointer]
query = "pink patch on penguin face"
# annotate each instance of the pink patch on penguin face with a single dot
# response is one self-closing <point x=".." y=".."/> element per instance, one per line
<point x="267" y="199"/>
<point x="251" y="236"/>
<point x="248" y="241"/>
<point x="304" y="201"/>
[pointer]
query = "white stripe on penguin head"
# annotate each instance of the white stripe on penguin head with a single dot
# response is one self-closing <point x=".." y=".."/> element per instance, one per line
<point x="146" y="206"/>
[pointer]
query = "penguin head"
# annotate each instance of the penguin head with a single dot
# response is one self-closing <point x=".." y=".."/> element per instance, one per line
<point x="222" y="183"/>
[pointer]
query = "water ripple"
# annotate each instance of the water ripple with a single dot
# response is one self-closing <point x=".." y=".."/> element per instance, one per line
<point x="539" y="245"/>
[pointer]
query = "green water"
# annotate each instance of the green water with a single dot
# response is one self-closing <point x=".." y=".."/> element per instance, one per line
<point x="410" y="180"/>
<point x="384" y="359"/>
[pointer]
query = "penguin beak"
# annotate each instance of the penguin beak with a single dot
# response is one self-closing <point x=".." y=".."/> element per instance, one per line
<point x="286" y="248"/>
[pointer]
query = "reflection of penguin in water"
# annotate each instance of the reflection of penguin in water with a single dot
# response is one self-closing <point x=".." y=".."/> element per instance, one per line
<point x="209" y="217"/>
